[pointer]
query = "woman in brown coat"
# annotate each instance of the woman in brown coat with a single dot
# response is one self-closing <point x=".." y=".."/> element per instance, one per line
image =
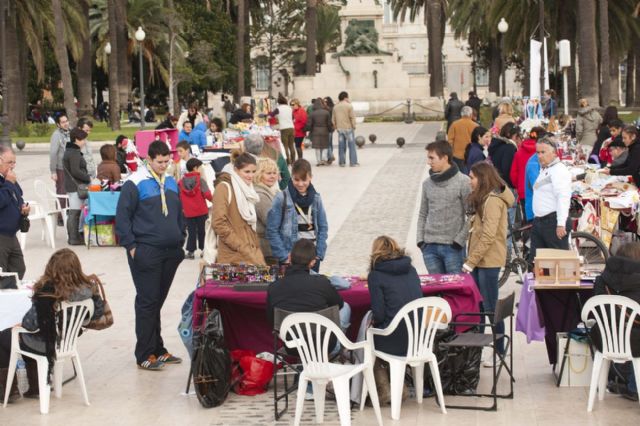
<point x="319" y="130"/>
<point x="234" y="213"/>
<point x="109" y="169"/>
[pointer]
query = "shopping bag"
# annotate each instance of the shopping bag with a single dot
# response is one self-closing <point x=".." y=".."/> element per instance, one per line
<point x="185" y="327"/>
<point x="100" y="234"/>
<point x="250" y="374"/>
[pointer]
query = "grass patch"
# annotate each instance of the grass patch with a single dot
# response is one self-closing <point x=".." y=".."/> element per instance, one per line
<point x="398" y="118"/>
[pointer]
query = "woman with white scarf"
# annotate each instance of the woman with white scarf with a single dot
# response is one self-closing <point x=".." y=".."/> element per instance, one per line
<point x="266" y="185"/>
<point x="234" y="213"/>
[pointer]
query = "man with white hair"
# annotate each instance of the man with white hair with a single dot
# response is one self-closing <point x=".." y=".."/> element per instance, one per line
<point x="459" y="135"/>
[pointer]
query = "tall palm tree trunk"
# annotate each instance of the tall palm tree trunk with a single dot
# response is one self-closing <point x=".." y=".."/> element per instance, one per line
<point x="16" y="101"/>
<point x="636" y="54"/>
<point x="605" y="86"/>
<point x="62" y="57"/>
<point x="240" y="48"/>
<point x="435" y="40"/>
<point x="84" y="69"/>
<point x="114" y="98"/>
<point x="494" y="65"/>
<point x="588" y="78"/>
<point x="614" y="78"/>
<point x="122" y="54"/>
<point x="311" y="28"/>
<point x="631" y="67"/>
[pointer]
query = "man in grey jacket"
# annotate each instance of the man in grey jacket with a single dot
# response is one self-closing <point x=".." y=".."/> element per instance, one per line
<point x="86" y="126"/>
<point x="57" y="145"/>
<point x="442" y="227"/>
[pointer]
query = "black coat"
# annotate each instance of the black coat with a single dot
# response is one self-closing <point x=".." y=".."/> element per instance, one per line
<point x="501" y="153"/>
<point x="620" y="277"/>
<point x="75" y="168"/>
<point x="474" y="103"/>
<point x="452" y="110"/>
<point x="631" y="167"/>
<point x="392" y="284"/>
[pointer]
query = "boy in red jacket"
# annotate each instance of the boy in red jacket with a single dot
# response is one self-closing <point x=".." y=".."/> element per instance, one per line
<point x="193" y="194"/>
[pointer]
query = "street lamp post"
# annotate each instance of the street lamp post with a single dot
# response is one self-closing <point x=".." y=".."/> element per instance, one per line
<point x="5" y="139"/>
<point x="140" y="35"/>
<point x="503" y="27"/>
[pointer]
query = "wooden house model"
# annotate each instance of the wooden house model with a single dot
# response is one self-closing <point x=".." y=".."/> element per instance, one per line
<point x="557" y="267"/>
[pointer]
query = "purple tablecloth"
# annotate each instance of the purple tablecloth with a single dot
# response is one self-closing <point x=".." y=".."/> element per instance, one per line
<point x="528" y="318"/>
<point x="245" y="320"/>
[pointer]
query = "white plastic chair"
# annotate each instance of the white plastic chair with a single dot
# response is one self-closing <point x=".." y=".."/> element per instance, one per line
<point x="50" y="201"/>
<point x="310" y="334"/>
<point x="422" y="317"/>
<point x="38" y="213"/>
<point x="72" y="315"/>
<point x="614" y="316"/>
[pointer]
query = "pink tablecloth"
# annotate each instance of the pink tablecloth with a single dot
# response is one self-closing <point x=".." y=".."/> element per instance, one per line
<point x="245" y="320"/>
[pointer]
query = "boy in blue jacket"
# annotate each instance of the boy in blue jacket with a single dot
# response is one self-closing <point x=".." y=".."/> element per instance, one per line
<point x="150" y="225"/>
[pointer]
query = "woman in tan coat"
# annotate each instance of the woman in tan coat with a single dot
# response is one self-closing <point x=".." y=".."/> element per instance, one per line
<point x="234" y="213"/>
<point x="490" y="198"/>
<point x="505" y="116"/>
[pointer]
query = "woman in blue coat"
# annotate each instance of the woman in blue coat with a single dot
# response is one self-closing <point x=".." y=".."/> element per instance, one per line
<point x="393" y="282"/>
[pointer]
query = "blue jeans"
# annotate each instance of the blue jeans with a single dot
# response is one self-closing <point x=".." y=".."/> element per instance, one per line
<point x="442" y="258"/>
<point x="487" y="281"/>
<point x="347" y="137"/>
<point x="330" y="154"/>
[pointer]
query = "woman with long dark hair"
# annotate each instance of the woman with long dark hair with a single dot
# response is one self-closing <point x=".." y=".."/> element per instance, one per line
<point x="63" y="280"/>
<point x="478" y="149"/>
<point x="490" y="200"/>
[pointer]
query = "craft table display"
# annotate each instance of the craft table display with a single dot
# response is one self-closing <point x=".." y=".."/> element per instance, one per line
<point x="145" y="137"/>
<point x="545" y="311"/>
<point x="13" y="305"/>
<point x="100" y="218"/>
<point x="244" y="316"/>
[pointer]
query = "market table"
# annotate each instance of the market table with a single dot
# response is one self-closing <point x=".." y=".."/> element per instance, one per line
<point x="244" y="314"/>
<point x="101" y="207"/>
<point x="559" y="310"/>
<point x="13" y="305"/>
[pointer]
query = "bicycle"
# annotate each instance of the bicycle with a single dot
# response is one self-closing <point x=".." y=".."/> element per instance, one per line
<point x="591" y="249"/>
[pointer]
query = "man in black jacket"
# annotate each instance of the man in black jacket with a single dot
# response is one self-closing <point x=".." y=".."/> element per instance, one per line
<point x="12" y="207"/>
<point x="452" y="111"/>
<point x="301" y="291"/>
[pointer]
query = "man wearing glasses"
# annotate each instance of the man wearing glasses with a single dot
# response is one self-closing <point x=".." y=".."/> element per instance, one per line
<point x="551" y="200"/>
<point x="57" y="145"/>
<point x="12" y="207"/>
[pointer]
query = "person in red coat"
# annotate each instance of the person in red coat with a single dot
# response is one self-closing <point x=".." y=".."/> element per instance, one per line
<point x="194" y="192"/>
<point x="299" y="125"/>
<point x="518" y="168"/>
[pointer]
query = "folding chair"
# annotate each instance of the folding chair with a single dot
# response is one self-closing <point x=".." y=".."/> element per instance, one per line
<point x="504" y="310"/>
<point x="289" y="361"/>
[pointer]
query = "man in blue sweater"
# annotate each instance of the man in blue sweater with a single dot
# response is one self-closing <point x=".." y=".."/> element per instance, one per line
<point x="12" y="207"/>
<point x="150" y="225"/>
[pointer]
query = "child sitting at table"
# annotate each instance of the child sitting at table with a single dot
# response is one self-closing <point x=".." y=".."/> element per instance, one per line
<point x="121" y="154"/>
<point x="108" y="169"/>
<point x="193" y="194"/>
<point x="63" y="280"/>
<point x="297" y="213"/>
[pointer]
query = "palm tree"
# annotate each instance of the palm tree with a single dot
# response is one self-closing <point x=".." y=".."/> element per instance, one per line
<point x="114" y="92"/>
<point x="435" y="19"/>
<point x="311" y="30"/>
<point x="328" y="34"/>
<point x="241" y="30"/>
<point x="62" y="57"/>
<point x="588" y="83"/>
<point x="84" y="69"/>
<point x="603" y="18"/>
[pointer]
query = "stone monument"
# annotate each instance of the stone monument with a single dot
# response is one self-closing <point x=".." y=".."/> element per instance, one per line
<point x="374" y="78"/>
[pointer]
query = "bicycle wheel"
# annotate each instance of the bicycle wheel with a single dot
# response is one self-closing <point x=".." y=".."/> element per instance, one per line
<point x="505" y="272"/>
<point x="592" y="250"/>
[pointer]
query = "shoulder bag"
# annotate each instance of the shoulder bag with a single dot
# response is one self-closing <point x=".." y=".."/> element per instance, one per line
<point x="83" y="188"/>
<point x="106" y="320"/>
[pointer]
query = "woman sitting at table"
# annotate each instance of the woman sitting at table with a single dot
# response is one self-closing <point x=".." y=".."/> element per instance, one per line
<point x="234" y="212"/>
<point x="631" y="167"/>
<point x="242" y="115"/>
<point x="63" y="280"/>
<point x="490" y="199"/>
<point x="393" y="282"/>
<point x="621" y="277"/>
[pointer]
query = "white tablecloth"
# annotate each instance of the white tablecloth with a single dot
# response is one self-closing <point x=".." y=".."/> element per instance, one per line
<point x="13" y="305"/>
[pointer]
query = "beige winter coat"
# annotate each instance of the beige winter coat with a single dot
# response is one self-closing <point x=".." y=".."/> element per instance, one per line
<point x="587" y="123"/>
<point x="488" y="233"/>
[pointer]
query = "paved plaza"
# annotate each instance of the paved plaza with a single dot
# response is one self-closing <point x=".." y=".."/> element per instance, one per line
<point x="379" y="197"/>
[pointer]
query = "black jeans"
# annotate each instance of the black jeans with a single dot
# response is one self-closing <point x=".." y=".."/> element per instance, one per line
<point x="298" y="142"/>
<point x="11" y="260"/>
<point x="195" y="228"/>
<point x="543" y="234"/>
<point x="152" y="270"/>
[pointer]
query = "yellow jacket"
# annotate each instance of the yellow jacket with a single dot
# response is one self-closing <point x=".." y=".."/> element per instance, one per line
<point x="459" y="135"/>
<point x="488" y="233"/>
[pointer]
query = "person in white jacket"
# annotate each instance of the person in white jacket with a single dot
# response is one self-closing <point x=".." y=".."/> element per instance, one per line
<point x="551" y="200"/>
<point x="285" y="121"/>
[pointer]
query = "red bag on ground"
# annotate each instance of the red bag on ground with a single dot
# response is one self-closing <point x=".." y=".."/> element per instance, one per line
<point x="250" y="375"/>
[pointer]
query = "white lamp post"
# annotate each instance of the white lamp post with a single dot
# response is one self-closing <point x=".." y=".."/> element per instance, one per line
<point x="503" y="27"/>
<point x="107" y="48"/>
<point x="140" y="35"/>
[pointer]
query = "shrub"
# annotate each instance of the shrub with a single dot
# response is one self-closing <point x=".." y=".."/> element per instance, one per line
<point x="41" y="129"/>
<point x="23" y="131"/>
